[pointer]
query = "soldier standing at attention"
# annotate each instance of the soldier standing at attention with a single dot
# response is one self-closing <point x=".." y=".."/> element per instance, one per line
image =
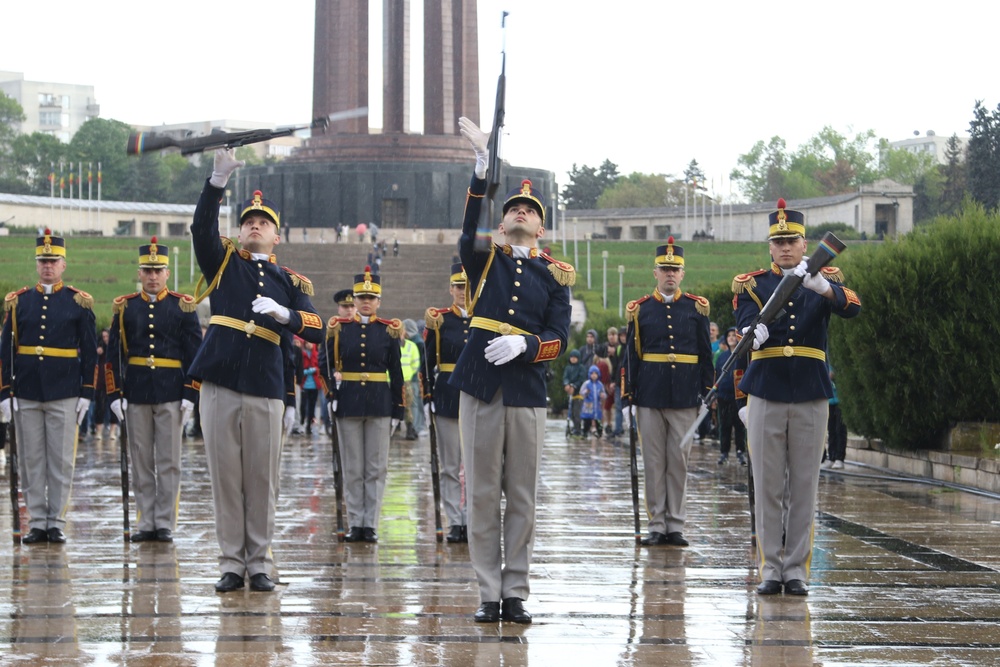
<point x="365" y="401"/>
<point x="446" y="332"/>
<point x="520" y="302"/>
<point x="788" y="384"/>
<point x="668" y="366"/>
<point x="257" y="306"/>
<point x="48" y="357"/>
<point x="153" y="340"/>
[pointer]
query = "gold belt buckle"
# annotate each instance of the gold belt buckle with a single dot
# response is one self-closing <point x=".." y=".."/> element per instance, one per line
<point x="150" y="361"/>
<point x="671" y="357"/>
<point x="39" y="350"/>
<point x="788" y="350"/>
<point x="364" y="377"/>
<point x="249" y="328"/>
<point x="504" y="329"/>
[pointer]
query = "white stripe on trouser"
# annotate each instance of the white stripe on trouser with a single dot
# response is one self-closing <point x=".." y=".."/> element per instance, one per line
<point x="46" y="452"/>
<point x="502" y="450"/>
<point x="242" y="444"/>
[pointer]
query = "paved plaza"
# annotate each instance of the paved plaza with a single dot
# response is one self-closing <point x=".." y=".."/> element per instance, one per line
<point x="903" y="574"/>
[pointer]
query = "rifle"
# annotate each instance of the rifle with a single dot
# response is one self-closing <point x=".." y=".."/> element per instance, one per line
<point x="829" y="247"/>
<point x="123" y="461"/>
<point x="436" y="479"/>
<point x="633" y="435"/>
<point x="146" y="142"/>
<point x="338" y="471"/>
<point x="484" y="228"/>
<point x="15" y="506"/>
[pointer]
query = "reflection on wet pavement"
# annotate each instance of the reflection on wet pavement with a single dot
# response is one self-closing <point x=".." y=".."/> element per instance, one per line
<point x="902" y="574"/>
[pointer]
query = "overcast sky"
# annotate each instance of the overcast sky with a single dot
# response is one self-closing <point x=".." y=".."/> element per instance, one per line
<point x="648" y="84"/>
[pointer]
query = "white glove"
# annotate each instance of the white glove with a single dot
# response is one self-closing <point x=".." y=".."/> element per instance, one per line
<point x="502" y="349"/>
<point x="5" y="410"/>
<point x="760" y="335"/>
<point x="187" y="407"/>
<point x="433" y="409"/>
<point x="289" y="419"/>
<point x="816" y="283"/>
<point x="82" y="405"/>
<point x="223" y="167"/>
<point x="268" y="306"/>
<point x="626" y="418"/>
<point x="331" y="408"/>
<point x="118" y="408"/>
<point x="393" y="425"/>
<point x="427" y="413"/>
<point x="743" y="415"/>
<point x="478" y="140"/>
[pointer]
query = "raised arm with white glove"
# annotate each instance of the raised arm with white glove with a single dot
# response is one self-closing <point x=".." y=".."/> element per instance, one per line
<point x="502" y="349"/>
<point x="816" y="283"/>
<point x="760" y="335"/>
<point x="224" y="166"/>
<point x="82" y="405"/>
<point x="478" y="140"/>
<point x="268" y="306"/>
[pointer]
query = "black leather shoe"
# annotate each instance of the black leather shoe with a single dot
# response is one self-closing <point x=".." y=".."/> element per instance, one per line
<point x="676" y="540"/>
<point x="143" y="536"/>
<point x="164" y="535"/>
<point x="455" y="534"/>
<point x="465" y="534"/>
<point x="769" y="587"/>
<point x="229" y="582"/>
<point x="654" y="539"/>
<point x="261" y="582"/>
<point x="354" y="535"/>
<point x="57" y="536"/>
<point x="723" y="459"/>
<point x="742" y="459"/>
<point x="35" y="536"/>
<point x="488" y="612"/>
<point x="512" y="610"/>
<point x="370" y="535"/>
<point x="796" y="587"/>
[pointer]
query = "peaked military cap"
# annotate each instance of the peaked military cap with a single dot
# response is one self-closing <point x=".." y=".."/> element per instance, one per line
<point x="257" y="204"/>
<point x="786" y="223"/>
<point x="48" y="246"/>
<point x="154" y="255"/>
<point x="526" y="193"/>
<point x="458" y="276"/>
<point x="670" y="254"/>
<point x="366" y="283"/>
<point x="344" y="297"/>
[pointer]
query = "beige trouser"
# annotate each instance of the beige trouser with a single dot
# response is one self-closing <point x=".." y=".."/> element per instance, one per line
<point x="502" y="448"/>
<point x="154" y="439"/>
<point x="243" y="445"/>
<point x="364" y="446"/>
<point x="46" y="450"/>
<point x="665" y="465"/>
<point x="449" y="442"/>
<point x="785" y="441"/>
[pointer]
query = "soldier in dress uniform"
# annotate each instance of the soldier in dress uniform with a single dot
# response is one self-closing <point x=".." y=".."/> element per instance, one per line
<point x="243" y="364"/>
<point x="48" y="361"/>
<point x="446" y="332"/>
<point x="668" y="366"/>
<point x="521" y="312"/>
<point x="154" y="337"/>
<point x="789" y="388"/>
<point x="360" y="363"/>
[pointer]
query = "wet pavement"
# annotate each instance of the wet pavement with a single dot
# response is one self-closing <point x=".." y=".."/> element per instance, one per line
<point x="903" y="574"/>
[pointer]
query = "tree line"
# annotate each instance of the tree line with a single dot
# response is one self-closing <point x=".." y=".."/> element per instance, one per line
<point x="829" y="163"/>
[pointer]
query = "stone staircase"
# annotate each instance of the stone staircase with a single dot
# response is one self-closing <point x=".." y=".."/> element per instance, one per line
<point x="411" y="282"/>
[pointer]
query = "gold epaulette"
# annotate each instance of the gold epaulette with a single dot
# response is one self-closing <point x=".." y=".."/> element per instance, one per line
<point x="434" y="317"/>
<point x="563" y="272"/>
<point x="82" y="299"/>
<point x="632" y="308"/>
<point x="186" y="302"/>
<point x="10" y="301"/>
<point x="229" y="243"/>
<point x="333" y="324"/>
<point x="745" y="281"/>
<point x="701" y="304"/>
<point x="833" y="274"/>
<point x="120" y="302"/>
<point x="300" y="281"/>
<point x="395" y="326"/>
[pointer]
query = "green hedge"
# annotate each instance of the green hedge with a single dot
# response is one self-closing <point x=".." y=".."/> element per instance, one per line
<point x="923" y="353"/>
